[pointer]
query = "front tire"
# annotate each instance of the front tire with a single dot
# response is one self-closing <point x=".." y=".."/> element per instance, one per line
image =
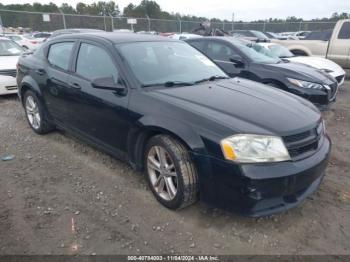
<point x="170" y="172"/>
<point x="35" y="114"/>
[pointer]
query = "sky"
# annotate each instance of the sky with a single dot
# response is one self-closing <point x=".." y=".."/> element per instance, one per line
<point x="245" y="10"/>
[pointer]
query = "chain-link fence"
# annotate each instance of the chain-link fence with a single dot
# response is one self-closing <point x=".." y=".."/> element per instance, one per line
<point x="36" y="21"/>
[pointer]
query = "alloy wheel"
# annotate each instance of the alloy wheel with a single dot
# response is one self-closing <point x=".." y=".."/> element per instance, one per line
<point x="162" y="173"/>
<point x="33" y="114"/>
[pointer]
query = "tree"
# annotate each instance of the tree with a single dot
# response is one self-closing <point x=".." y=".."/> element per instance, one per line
<point x="81" y="8"/>
<point x="128" y="10"/>
<point x="67" y="9"/>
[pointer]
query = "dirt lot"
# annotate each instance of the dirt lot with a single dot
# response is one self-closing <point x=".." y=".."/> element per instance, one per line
<point x="60" y="196"/>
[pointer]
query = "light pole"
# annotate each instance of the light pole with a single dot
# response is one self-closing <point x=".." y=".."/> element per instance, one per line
<point x="180" y="23"/>
<point x="233" y="21"/>
<point x="104" y="17"/>
<point x="112" y="22"/>
<point x="149" y="23"/>
<point x="63" y="18"/>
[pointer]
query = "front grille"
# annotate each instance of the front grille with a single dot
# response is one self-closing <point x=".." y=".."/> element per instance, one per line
<point x="297" y="137"/>
<point x="340" y="78"/>
<point x="303" y="144"/>
<point x="11" y="72"/>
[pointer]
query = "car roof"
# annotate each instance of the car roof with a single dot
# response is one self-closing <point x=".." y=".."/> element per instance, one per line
<point x="267" y="44"/>
<point x="228" y="39"/>
<point x="118" y="38"/>
<point x="4" y="38"/>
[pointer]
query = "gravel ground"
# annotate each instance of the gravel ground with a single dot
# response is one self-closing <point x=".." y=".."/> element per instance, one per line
<point x="60" y="196"/>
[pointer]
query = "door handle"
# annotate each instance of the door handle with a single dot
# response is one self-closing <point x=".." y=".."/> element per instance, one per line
<point x="40" y="71"/>
<point x="75" y="85"/>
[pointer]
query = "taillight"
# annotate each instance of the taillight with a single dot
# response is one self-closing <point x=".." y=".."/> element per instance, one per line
<point x="34" y="42"/>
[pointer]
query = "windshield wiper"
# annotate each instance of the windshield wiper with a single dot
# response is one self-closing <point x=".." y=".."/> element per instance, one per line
<point x="212" y="78"/>
<point x="170" y="84"/>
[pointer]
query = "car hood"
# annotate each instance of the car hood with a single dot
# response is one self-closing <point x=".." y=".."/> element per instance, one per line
<point x="320" y="63"/>
<point x="8" y="62"/>
<point x="244" y="106"/>
<point x="300" y="71"/>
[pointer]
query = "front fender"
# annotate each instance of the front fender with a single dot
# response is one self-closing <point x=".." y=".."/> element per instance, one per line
<point x="148" y="126"/>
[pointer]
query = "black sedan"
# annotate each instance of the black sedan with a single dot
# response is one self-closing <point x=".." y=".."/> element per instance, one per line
<point x="236" y="58"/>
<point x="165" y="108"/>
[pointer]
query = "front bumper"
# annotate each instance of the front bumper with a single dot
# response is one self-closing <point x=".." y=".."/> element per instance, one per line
<point x="340" y="77"/>
<point x="8" y="85"/>
<point x="321" y="98"/>
<point x="260" y="189"/>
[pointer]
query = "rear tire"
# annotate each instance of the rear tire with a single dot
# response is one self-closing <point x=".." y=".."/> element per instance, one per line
<point x="36" y="114"/>
<point x="170" y="172"/>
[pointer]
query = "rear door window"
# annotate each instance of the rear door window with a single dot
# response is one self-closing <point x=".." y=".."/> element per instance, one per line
<point x="344" y="32"/>
<point x="59" y="54"/>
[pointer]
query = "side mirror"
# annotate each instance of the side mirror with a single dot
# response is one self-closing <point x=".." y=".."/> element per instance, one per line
<point x="107" y="83"/>
<point x="237" y="60"/>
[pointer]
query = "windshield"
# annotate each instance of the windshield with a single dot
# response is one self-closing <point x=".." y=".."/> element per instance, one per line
<point x="273" y="34"/>
<point x="254" y="55"/>
<point x="280" y="51"/>
<point x="162" y="62"/>
<point x="14" y="37"/>
<point x="9" y="48"/>
<point x="263" y="50"/>
<point x="259" y="35"/>
<point x="28" y="36"/>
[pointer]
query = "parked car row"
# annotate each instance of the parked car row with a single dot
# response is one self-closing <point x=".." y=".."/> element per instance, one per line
<point x="326" y="65"/>
<point x="239" y="58"/>
<point x="174" y="112"/>
<point x="29" y="41"/>
<point x="333" y="44"/>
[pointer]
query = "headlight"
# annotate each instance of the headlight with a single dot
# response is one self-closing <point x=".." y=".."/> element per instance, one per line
<point x="305" y="84"/>
<point x="246" y="148"/>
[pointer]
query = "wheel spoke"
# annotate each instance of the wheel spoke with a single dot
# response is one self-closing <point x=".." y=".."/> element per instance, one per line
<point x="169" y="167"/>
<point x="29" y="109"/>
<point x="153" y="163"/>
<point x="31" y="102"/>
<point x="160" y="188"/>
<point x="30" y="117"/>
<point x="159" y="178"/>
<point x="172" y="173"/>
<point x="35" y="121"/>
<point x="161" y="156"/>
<point x="171" y="190"/>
